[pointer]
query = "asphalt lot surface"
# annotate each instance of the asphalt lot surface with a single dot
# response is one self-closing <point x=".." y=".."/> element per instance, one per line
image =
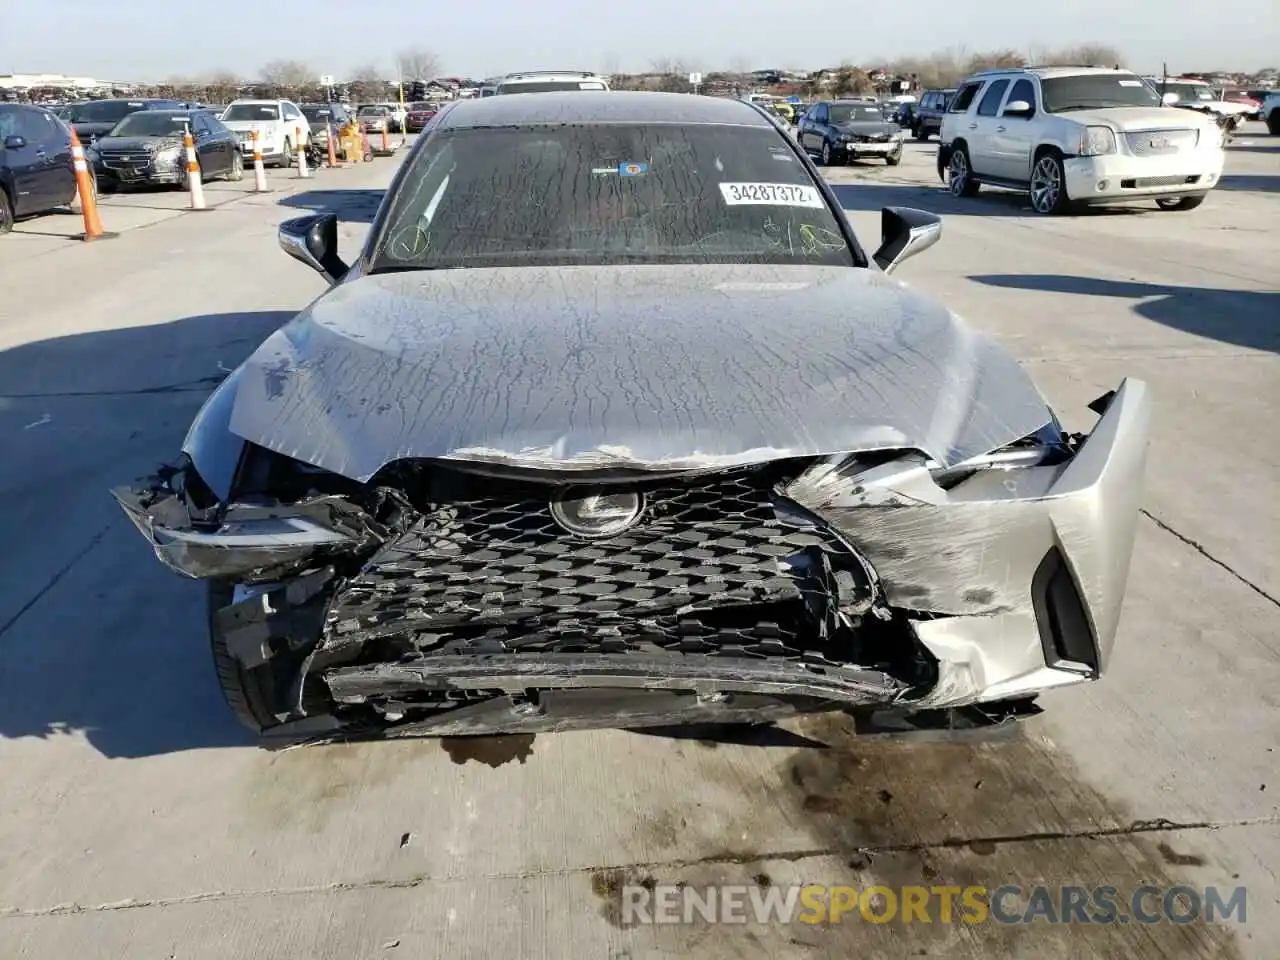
<point x="139" y="822"/>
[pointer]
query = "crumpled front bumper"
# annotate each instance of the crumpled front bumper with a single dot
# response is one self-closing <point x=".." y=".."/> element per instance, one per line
<point x="1013" y="579"/>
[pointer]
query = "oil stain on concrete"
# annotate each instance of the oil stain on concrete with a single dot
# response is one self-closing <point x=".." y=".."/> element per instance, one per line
<point x="891" y="812"/>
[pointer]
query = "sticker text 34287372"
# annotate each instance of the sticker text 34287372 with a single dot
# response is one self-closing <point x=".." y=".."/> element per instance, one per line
<point x="779" y="194"/>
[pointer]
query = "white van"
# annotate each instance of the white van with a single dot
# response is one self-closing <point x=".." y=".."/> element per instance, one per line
<point x="544" y="81"/>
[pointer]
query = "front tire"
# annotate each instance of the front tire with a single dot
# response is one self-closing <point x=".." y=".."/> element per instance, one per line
<point x="893" y="159"/>
<point x="825" y="157"/>
<point x="1179" y="203"/>
<point x="6" y="212"/>
<point x="286" y="154"/>
<point x="960" y="174"/>
<point x="248" y="692"/>
<point x="237" y="168"/>
<point x="1273" y="123"/>
<point x="1048" y="188"/>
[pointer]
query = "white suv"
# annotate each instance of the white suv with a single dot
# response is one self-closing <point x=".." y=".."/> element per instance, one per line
<point x="1077" y="135"/>
<point x="281" y="127"/>
<point x="543" y="81"/>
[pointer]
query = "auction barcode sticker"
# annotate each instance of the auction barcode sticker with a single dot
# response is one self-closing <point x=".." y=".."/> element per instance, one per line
<point x="778" y="194"/>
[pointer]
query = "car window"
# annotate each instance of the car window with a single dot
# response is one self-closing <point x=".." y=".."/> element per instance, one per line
<point x="990" y="102"/>
<point x="1024" y="89"/>
<point x="820" y="113"/>
<point x="16" y="122"/>
<point x="152" y="123"/>
<point x="239" y="112"/>
<point x="601" y="194"/>
<point x="549" y="86"/>
<point x="965" y="96"/>
<point x="45" y="127"/>
<point x="104" y="111"/>
<point x="1096" y="91"/>
<point x="291" y="112"/>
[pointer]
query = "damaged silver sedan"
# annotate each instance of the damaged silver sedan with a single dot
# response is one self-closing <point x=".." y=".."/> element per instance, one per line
<point x="613" y="423"/>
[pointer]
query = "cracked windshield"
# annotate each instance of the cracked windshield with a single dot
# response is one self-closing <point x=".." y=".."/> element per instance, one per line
<point x="662" y="193"/>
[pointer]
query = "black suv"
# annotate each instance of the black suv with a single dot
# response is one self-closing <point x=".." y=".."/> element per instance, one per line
<point x="926" y="119"/>
<point x="95" y="118"/>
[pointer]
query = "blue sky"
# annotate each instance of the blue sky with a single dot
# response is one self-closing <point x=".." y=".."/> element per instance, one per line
<point x="148" y="39"/>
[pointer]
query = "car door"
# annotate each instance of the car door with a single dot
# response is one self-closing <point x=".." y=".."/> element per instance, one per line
<point x="25" y="156"/>
<point x="296" y="126"/>
<point x="208" y="149"/>
<point x="229" y="143"/>
<point x="1013" y="137"/>
<point x="982" y="128"/>
<point x="57" y="170"/>
<point x="816" y="128"/>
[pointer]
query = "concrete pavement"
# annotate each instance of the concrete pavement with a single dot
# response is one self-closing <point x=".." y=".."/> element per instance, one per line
<point x="139" y="822"/>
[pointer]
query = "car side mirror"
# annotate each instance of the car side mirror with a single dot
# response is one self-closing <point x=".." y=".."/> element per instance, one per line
<point x="314" y="241"/>
<point x="15" y="142"/>
<point x="1018" y="108"/>
<point x="904" y="232"/>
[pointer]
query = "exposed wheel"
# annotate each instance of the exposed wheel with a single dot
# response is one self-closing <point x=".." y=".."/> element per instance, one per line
<point x="1048" y="190"/>
<point x="959" y="174"/>
<point x="286" y="154"/>
<point x="826" y="153"/>
<point x="1179" y="203"/>
<point x="106" y="186"/>
<point x="919" y="132"/>
<point x="893" y="159"/>
<point x="237" y="167"/>
<point x="184" y="177"/>
<point x="6" y="212"/>
<point x="1273" y="123"/>
<point x="248" y="692"/>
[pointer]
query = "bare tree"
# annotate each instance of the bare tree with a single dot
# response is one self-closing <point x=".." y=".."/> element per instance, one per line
<point x="366" y="83"/>
<point x="850" y="81"/>
<point x="671" y="76"/>
<point x="221" y="86"/>
<point x="288" y="76"/>
<point x="994" y="60"/>
<point x="417" y="63"/>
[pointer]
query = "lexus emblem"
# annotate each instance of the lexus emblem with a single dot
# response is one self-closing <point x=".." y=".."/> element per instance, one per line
<point x="595" y="515"/>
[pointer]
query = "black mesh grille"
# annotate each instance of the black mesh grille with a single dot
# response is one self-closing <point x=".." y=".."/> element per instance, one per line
<point x="714" y="567"/>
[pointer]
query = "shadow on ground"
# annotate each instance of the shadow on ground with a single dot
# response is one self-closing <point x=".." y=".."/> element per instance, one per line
<point x="1246" y="318"/>
<point x="871" y="195"/>
<point x="351" y="206"/>
<point x="99" y="640"/>
<point x="1247" y="181"/>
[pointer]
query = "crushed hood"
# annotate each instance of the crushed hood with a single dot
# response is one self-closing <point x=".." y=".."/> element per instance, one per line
<point x="648" y="367"/>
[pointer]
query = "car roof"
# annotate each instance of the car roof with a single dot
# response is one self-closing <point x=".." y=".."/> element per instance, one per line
<point x="252" y="101"/>
<point x="1049" y="72"/>
<point x="601" y="106"/>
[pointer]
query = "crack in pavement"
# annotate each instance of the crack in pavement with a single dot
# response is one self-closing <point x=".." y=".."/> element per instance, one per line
<point x="1210" y="557"/>
<point x="1138" y="827"/>
<point x="56" y="578"/>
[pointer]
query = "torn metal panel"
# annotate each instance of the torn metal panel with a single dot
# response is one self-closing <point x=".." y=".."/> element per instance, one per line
<point x="642" y="367"/>
<point x="243" y="541"/>
<point x="974" y="549"/>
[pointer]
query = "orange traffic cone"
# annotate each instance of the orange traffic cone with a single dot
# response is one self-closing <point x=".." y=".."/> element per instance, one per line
<point x="329" y="143"/>
<point x="194" y="183"/>
<point x="259" y="171"/>
<point x="303" y="172"/>
<point x="88" y="197"/>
